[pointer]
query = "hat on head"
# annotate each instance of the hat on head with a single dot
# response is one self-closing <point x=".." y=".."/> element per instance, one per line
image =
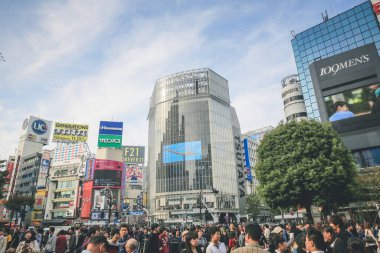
<point x="277" y="230"/>
<point x="377" y="92"/>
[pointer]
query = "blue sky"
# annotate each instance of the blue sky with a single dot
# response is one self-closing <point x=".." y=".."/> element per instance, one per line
<point x="84" y="61"/>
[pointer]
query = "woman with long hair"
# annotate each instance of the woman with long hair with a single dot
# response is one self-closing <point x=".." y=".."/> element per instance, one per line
<point x="276" y="243"/>
<point x="371" y="243"/>
<point x="191" y="243"/>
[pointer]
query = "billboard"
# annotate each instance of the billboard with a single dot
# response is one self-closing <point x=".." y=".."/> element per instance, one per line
<point x="184" y="151"/>
<point x="111" y="127"/>
<point x="100" y="202"/>
<point x="86" y="200"/>
<point x="109" y="141"/>
<point x="38" y="130"/>
<point x="110" y="134"/>
<point x="67" y="132"/>
<point x="353" y="103"/>
<point x="134" y="175"/>
<point x="134" y="154"/>
<point x="107" y="178"/>
<point x="247" y="162"/>
<point x="39" y="199"/>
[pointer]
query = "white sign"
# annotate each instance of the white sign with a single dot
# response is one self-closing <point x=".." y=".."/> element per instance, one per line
<point x="38" y="130"/>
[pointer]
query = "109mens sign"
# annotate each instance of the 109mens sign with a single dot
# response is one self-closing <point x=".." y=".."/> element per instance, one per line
<point x="333" y="69"/>
<point x="110" y="134"/>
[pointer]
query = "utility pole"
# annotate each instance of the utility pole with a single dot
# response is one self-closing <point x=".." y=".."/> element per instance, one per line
<point x="200" y="206"/>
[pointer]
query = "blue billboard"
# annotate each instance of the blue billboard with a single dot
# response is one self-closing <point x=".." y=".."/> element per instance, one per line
<point x="111" y="127"/>
<point x="247" y="162"/>
<point x="184" y="151"/>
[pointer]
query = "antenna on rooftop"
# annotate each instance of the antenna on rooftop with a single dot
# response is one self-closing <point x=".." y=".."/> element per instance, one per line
<point x="2" y="58"/>
<point x="325" y="16"/>
<point x="293" y="33"/>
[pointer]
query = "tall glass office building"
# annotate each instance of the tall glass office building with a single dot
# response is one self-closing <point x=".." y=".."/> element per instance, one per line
<point x="346" y="31"/>
<point x="193" y="161"/>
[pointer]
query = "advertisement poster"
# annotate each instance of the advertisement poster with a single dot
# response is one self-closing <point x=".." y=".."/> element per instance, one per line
<point x="86" y="200"/>
<point x="100" y="202"/>
<point x="134" y="175"/>
<point x="67" y="132"/>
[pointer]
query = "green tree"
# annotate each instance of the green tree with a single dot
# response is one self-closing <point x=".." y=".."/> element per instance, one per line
<point x="3" y="175"/>
<point x="253" y="206"/>
<point x="14" y="203"/>
<point x="304" y="163"/>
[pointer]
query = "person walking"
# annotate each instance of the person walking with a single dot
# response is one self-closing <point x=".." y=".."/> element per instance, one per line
<point x="152" y="245"/>
<point x="61" y="242"/>
<point x="29" y="244"/>
<point x="215" y="246"/>
<point x="3" y="242"/>
<point x="51" y="241"/>
<point x="191" y="243"/>
<point x="252" y="235"/>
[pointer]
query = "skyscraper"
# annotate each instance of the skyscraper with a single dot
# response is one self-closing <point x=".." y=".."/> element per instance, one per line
<point x="349" y="30"/>
<point x="195" y="156"/>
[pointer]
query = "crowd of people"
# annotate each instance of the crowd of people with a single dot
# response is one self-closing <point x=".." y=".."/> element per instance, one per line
<point x="337" y="236"/>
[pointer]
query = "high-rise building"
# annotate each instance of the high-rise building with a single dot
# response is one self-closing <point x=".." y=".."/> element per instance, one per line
<point x="64" y="187"/>
<point x="351" y="29"/>
<point x="251" y="141"/>
<point x="294" y="104"/>
<point x="195" y="169"/>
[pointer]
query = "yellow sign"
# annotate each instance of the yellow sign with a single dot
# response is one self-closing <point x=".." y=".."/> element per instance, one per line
<point x="67" y="132"/>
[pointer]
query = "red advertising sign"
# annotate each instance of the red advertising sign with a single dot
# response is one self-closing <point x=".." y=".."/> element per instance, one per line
<point x="108" y="165"/>
<point x="86" y="200"/>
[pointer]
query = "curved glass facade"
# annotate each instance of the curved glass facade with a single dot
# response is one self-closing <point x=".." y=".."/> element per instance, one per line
<point x="191" y="142"/>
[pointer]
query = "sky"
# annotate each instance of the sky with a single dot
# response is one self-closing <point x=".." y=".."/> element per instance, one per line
<point x="82" y="61"/>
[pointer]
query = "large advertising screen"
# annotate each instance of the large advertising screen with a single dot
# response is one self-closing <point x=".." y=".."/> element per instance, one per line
<point x="134" y="175"/>
<point x="67" y="132"/>
<point x="184" y="151"/>
<point x="107" y="177"/>
<point x="353" y="103"/>
<point x="38" y="130"/>
<point x="134" y="154"/>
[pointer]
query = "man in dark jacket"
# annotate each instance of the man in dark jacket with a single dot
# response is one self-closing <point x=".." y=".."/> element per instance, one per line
<point x="152" y="244"/>
<point x="123" y="238"/>
<point x="333" y="243"/>
<point x="336" y="222"/>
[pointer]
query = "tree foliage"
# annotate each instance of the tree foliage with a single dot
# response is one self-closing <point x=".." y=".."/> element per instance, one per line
<point x="3" y="175"/>
<point x="253" y="206"/>
<point x="304" y="163"/>
<point x="15" y="202"/>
